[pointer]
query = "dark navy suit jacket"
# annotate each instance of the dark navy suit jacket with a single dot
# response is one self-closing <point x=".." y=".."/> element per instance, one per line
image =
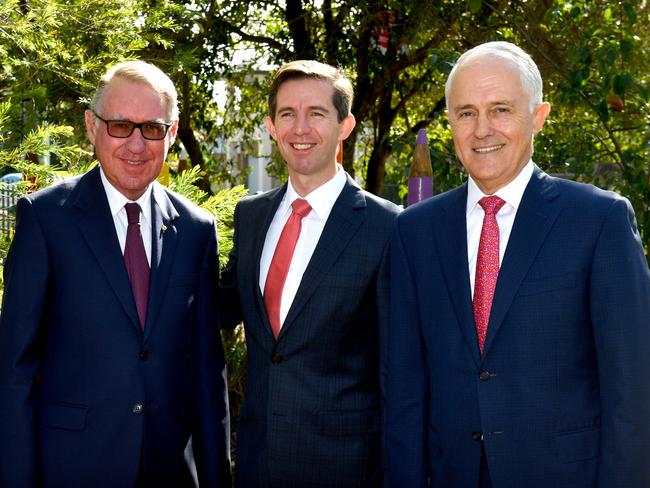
<point x="561" y="395"/>
<point x="87" y="398"/>
<point x="312" y="409"/>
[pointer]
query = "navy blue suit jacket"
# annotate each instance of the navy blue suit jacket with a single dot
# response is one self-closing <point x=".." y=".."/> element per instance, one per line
<point x="312" y="409"/>
<point x="561" y="393"/>
<point x="86" y="397"/>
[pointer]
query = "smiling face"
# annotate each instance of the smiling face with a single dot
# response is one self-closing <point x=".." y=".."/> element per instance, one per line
<point x="491" y="123"/>
<point x="130" y="164"/>
<point x="307" y="131"/>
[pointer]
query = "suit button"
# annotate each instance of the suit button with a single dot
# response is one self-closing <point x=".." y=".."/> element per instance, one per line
<point x="477" y="436"/>
<point x="137" y="408"/>
<point x="484" y="375"/>
<point x="276" y="359"/>
<point x="144" y="355"/>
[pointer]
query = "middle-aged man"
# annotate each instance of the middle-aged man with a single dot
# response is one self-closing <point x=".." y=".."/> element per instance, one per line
<point x="109" y="357"/>
<point x="314" y="316"/>
<point x="519" y="351"/>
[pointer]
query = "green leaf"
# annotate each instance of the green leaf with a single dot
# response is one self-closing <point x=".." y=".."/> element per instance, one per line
<point x="601" y="108"/>
<point x="630" y="12"/>
<point x="622" y="83"/>
<point x="626" y="48"/>
<point x="475" y="6"/>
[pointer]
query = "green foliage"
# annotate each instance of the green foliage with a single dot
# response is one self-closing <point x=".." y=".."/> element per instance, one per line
<point x="598" y="82"/>
<point x="221" y="205"/>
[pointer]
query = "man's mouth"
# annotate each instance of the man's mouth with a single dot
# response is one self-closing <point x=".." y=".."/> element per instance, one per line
<point x="302" y="146"/>
<point x="488" y="149"/>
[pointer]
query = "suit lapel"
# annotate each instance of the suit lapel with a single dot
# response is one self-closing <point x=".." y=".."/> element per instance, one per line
<point x="534" y="219"/>
<point x="451" y="237"/>
<point x="164" y="239"/>
<point x="96" y="225"/>
<point x="271" y="202"/>
<point x="345" y="218"/>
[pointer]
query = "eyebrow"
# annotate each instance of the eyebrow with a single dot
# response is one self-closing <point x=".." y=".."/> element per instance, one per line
<point x="121" y="118"/>
<point x="312" y="107"/>
<point x="492" y="104"/>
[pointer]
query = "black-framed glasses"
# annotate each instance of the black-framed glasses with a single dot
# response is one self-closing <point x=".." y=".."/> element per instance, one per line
<point x="153" y="131"/>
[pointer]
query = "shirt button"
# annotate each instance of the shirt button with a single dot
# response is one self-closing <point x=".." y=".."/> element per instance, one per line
<point x="137" y="408"/>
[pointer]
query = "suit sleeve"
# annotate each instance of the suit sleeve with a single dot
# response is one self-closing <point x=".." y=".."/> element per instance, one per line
<point x="620" y="311"/>
<point x="21" y="349"/>
<point x="230" y="313"/>
<point x="406" y="385"/>
<point x="383" y="313"/>
<point x="211" y="433"/>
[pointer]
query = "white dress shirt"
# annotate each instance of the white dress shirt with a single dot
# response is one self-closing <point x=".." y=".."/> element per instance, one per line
<point x="322" y="200"/>
<point x="511" y="194"/>
<point x="116" y="201"/>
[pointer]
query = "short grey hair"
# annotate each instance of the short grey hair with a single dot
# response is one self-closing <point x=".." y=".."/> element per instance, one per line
<point x="517" y="58"/>
<point x="140" y="72"/>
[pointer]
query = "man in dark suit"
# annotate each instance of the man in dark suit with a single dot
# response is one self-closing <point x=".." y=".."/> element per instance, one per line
<point x="520" y="310"/>
<point x="308" y="277"/>
<point x="109" y="358"/>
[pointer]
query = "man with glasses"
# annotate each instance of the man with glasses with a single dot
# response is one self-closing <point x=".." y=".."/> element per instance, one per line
<point x="110" y="363"/>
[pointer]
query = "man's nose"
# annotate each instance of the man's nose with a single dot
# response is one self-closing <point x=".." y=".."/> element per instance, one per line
<point x="483" y="126"/>
<point x="302" y="125"/>
<point x="136" y="142"/>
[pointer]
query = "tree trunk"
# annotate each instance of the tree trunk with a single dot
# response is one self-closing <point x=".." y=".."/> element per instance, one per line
<point x="381" y="149"/>
<point x="187" y="137"/>
<point x="302" y="42"/>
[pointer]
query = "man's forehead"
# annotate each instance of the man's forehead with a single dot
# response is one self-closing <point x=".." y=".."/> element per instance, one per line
<point x="125" y="98"/>
<point x="490" y="84"/>
<point x="290" y="89"/>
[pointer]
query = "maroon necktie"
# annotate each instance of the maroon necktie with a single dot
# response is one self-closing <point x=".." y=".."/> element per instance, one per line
<point x="136" y="262"/>
<point x="487" y="266"/>
<point x="279" y="267"/>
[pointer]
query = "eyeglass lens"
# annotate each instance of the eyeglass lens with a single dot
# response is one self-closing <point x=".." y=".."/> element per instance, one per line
<point x="124" y="128"/>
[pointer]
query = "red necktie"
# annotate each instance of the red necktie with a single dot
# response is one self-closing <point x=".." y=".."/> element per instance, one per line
<point x="487" y="266"/>
<point x="136" y="262"/>
<point x="279" y="267"/>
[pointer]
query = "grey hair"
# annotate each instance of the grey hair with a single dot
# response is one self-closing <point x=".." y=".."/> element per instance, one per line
<point x="517" y="58"/>
<point x="140" y="72"/>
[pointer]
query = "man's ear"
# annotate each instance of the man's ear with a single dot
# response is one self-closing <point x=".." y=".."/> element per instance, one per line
<point x="347" y="125"/>
<point x="539" y="116"/>
<point x="91" y="126"/>
<point x="173" y="130"/>
<point x="270" y="126"/>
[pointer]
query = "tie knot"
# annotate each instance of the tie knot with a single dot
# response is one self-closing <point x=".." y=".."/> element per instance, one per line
<point x="491" y="205"/>
<point x="132" y="213"/>
<point x="301" y="207"/>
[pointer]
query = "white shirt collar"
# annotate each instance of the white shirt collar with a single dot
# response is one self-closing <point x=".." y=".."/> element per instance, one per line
<point x="512" y="193"/>
<point x="116" y="200"/>
<point x="321" y="199"/>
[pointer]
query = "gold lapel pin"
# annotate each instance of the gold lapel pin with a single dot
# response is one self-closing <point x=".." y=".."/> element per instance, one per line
<point x="163" y="228"/>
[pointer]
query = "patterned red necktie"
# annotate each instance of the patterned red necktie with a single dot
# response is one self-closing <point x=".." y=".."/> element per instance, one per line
<point x="279" y="267"/>
<point x="487" y="266"/>
<point x="136" y="262"/>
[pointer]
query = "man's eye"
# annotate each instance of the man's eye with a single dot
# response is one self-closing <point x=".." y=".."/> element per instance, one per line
<point x="121" y="125"/>
<point x="153" y="127"/>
